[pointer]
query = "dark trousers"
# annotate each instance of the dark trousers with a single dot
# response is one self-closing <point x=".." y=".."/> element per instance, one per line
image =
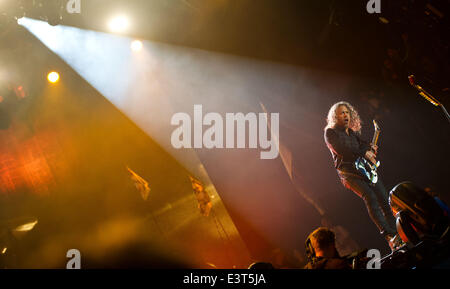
<point x="377" y="203"/>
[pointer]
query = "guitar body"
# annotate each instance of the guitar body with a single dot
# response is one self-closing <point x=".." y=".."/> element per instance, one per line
<point x="366" y="167"/>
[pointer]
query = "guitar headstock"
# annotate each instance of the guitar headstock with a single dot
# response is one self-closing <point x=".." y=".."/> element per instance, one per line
<point x="375" y="125"/>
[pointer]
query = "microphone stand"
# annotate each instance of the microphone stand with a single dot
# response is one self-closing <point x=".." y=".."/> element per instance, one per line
<point x="428" y="96"/>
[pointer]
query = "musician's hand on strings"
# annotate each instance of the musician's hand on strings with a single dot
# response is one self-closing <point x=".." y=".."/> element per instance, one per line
<point x="370" y="155"/>
<point x="374" y="148"/>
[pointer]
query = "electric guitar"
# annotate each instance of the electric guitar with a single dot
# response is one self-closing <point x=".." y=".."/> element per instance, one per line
<point x="365" y="166"/>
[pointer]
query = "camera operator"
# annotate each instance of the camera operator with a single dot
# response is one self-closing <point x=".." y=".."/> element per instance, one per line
<point x="321" y="251"/>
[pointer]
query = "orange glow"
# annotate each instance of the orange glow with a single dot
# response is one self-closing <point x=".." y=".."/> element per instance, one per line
<point x="24" y="162"/>
<point x="53" y="77"/>
<point x="20" y="92"/>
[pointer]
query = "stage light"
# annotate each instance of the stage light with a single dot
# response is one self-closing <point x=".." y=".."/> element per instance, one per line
<point x="53" y="77"/>
<point x="54" y="10"/>
<point x="136" y="45"/>
<point x="50" y="11"/>
<point x="26" y="227"/>
<point x="118" y="24"/>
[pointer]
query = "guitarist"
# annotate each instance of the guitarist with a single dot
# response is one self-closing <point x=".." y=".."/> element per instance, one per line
<point x="342" y="137"/>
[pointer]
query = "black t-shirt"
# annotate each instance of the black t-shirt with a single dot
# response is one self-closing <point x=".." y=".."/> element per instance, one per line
<point x="345" y="149"/>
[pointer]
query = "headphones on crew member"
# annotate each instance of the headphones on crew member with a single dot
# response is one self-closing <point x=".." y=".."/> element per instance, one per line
<point x="309" y="250"/>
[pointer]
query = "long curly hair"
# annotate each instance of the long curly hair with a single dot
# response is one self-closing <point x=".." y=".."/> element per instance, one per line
<point x="355" y="120"/>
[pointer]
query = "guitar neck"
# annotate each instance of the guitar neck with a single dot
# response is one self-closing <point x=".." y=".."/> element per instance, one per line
<point x="375" y="137"/>
<point x="376" y="134"/>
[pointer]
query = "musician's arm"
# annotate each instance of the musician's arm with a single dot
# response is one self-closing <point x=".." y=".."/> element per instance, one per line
<point x="370" y="151"/>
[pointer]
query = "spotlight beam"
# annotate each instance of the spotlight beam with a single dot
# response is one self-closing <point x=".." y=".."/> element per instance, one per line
<point x="161" y="80"/>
